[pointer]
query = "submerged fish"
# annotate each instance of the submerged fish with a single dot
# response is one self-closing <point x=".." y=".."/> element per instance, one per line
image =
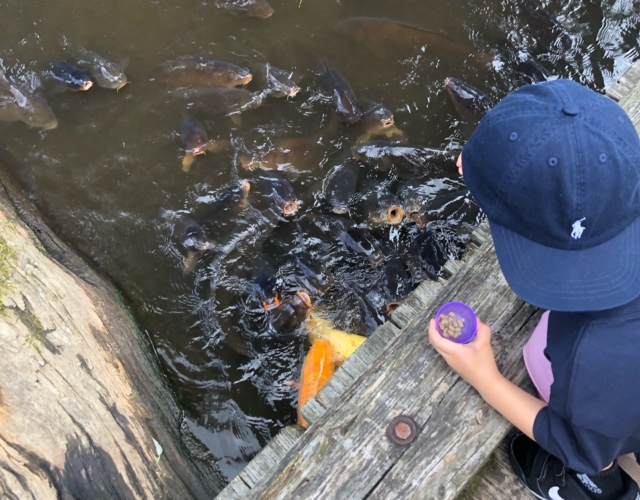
<point x="342" y="95"/>
<point x="289" y="154"/>
<point x="22" y="101"/>
<point x="287" y="314"/>
<point x="107" y="73"/>
<point x="275" y="81"/>
<point x="532" y="71"/>
<point x="344" y="344"/>
<point x="196" y="142"/>
<point x="317" y="370"/>
<point x="377" y="121"/>
<point x="340" y="186"/>
<point x="252" y="8"/>
<point x="380" y="207"/>
<point x="192" y="241"/>
<point x="282" y="195"/>
<point x="470" y="103"/>
<point x="199" y="72"/>
<point x="381" y="34"/>
<point x="384" y="155"/>
<point x="69" y="76"/>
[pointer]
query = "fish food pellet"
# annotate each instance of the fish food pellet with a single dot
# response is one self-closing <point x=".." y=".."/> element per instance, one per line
<point x="451" y="325"/>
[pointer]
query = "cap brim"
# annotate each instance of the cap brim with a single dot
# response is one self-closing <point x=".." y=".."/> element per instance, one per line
<point x="593" y="279"/>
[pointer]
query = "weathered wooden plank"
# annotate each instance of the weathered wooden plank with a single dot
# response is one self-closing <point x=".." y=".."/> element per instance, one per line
<point x="410" y="378"/>
<point x="496" y="480"/>
<point x="626" y="83"/>
<point x="262" y="464"/>
<point x="631" y="104"/>
<point x="459" y="445"/>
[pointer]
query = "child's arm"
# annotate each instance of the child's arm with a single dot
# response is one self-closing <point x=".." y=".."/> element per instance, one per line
<point x="475" y="362"/>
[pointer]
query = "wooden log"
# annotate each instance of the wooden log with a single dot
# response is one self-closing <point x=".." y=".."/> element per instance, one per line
<point x="83" y="407"/>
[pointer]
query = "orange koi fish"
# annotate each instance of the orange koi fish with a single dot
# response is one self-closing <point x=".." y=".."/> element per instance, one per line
<point x="317" y="370"/>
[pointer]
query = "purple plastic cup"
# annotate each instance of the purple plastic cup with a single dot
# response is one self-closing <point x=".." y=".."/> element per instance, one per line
<point x="462" y="310"/>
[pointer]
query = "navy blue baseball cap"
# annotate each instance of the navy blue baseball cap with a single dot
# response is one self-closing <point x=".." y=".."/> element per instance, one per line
<point x="556" y="168"/>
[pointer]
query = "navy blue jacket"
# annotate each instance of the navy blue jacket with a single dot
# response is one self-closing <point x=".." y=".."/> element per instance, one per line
<point x="593" y="414"/>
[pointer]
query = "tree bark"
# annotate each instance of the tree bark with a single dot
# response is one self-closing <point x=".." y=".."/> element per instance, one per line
<point x="84" y="410"/>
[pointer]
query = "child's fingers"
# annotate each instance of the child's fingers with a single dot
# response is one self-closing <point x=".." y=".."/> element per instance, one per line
<point x="484" y="332"/>
<point x="440" y="344"/>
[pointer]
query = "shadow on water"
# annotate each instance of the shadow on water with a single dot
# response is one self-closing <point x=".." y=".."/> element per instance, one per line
<point x="203" y="261"/>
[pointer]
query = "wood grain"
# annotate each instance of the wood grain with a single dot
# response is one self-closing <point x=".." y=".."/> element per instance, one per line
<point x="83" y="407"/>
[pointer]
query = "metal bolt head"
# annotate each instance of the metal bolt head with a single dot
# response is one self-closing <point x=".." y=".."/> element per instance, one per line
<point x="402" y="430"/>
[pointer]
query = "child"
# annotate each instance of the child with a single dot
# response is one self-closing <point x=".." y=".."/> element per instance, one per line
<point x="556" y="168"/>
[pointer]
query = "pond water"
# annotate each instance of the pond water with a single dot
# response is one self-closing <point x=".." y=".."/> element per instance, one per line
<point x="108" y="178"/>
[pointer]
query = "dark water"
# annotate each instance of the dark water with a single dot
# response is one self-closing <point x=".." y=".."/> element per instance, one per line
<point x="109" y="179"/>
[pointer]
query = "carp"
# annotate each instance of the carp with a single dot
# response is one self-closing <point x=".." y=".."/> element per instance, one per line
<point x="340" y="186"/>
<point x="383" y="34"/>
<point x="377" y="121"/>
<point x="380" y="207"/>
<point x="274" y="81"/>
<point x="199" y="73"/>
<point x="106" y="73"/>
<point x="69" y="76"/>
<point x="344" y="344"/>
<point x="342" y="96"/>
<point x="470" y="103"/>
<point x="21" y="100"/>
<point x="317" y="370"/>
<point x="196" y="142"/>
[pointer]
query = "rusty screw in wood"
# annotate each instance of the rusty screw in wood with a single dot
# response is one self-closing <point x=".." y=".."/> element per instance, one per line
<point x="402" y="430"/>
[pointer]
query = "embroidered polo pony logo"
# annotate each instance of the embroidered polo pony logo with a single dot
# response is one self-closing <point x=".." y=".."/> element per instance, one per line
<point x="577" y="229"/>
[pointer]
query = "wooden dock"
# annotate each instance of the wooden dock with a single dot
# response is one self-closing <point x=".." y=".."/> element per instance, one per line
<point x="458" y="451"/>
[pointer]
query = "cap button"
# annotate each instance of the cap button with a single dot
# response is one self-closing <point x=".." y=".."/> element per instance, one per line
<point x="570" y="109"/>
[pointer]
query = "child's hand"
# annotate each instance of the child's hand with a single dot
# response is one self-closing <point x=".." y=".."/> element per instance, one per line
<point x="475" y="362"/>
<point x="459" y="164"/>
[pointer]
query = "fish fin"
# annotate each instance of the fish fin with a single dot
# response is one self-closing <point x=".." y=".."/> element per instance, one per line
<point x="187" y="162"/>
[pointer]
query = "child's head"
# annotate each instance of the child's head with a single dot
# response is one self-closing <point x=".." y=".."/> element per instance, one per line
<point x="556" y="168"/>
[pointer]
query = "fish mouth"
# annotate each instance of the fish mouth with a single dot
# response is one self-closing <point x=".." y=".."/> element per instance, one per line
<point x="245" y="187"/>
<point x="305" y="298"/>
<point x="198" y="150"/>
<point x="274" y="303"/>
<point x="290" y="208"/>
<point x="388" y="122"/>
<point x="395" y="215"/>
<point x="293" y="91"/>
<point x="120" y="86"/>
<point x="244" y="80"/>
<point x="418" y="218"/>
<point x="86" y="86"/>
